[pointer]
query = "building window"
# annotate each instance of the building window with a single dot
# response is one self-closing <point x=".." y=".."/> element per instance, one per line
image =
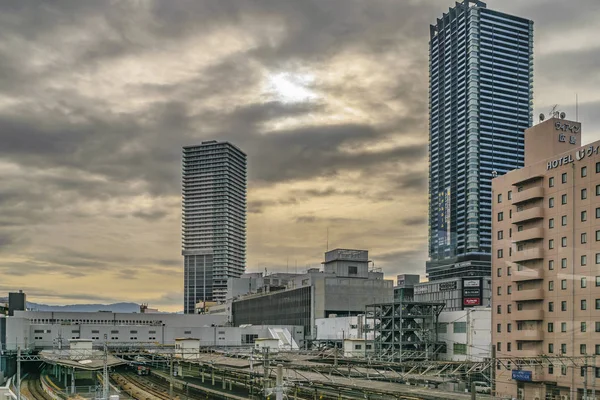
<point x="597" y="190"/>
<point x="499" y="272"/>
<point x="551" y="286"/>
<point x="584" y="304"/>
<point x="520" y="306"/>
<point x="563" y="220"/>
<point x="563" y="348"/>
<point x="597" y="326"/>
<point x="499" y="346"/>
<point x="460" y="348"/>
<point x="551" y="223"/>
<point x="550" y="348"/>
<point x="551" y="265"/>
<point x="583" y="194"/>
<point x="500" y="235"/>
<point x="583" y="238"/>
<point x="499" y="290"/>
<point x="551" y="306"/>
<point x="499" y="309"/>
<point x="597" y="167"/>
<point x="550" y="327"/>
<point x="500" y="198"/>
<point x="583" y="172"/>
<point x="509" y="289"/>
<point x="597" y="304"/>
<point x="563" y="241"/>
<point x="509" y="308"/>
<point x="508" y="346"/>
<point x="508" y="273"/>
<point x="563" y="284"/>
<point x="583" y="216"/>
<point x="597" y="235"/>
<point x="597" y="258"/>
<point x="598" y="349"/>
<point x="564" y="177"/>
<point x="460" y="327"/>
<point x="500" y="216"/>
<point x="509" y="327"/>
<point x="598" y="212"/>
<point x="563" y="199"/>
<point x="551" y="202"/>
<point x="563" y="263"/>
<point x="499" y="328"/>
<point x="583" y="326"/>
<point x="597" y="281"/>
<point x="500" y="253"/>
<point x="352" y="270"/>
<point x="563" y="327"/>
<point x="584" y="282"/>
<point x="551" y="243"/>
<point x="583" y="260"/>
<point x="563" y="306"/>
<point x="510" y="213"/>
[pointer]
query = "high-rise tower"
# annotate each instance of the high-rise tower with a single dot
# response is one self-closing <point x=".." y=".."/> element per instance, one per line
<point x="480" y="99"/>
<point x="214" y="220"/>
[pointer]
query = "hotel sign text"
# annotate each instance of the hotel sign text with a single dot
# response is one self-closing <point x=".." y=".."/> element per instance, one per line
<point x="578" y="155"/>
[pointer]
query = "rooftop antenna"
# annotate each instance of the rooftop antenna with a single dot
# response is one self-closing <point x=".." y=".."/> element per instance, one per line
<point x="553" y="112"/>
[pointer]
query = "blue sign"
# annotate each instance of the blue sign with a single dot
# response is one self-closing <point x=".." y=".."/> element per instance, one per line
<point x="521" y="375"/>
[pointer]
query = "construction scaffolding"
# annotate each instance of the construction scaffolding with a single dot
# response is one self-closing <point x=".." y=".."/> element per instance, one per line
<point x="405" y="331"/>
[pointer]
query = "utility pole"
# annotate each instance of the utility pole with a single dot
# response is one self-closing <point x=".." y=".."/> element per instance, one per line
<point x="594" y="376"/>
<point x="105" y="383"/>
<point x="19" y="373"/>
<point x="171" y="376"/>
<point x="473" y="391"/>
<point x="585" y="377"/>
<point x="493" y="371"/>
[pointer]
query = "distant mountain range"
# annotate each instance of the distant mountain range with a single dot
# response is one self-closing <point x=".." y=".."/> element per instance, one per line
<point x="116" y="307"/>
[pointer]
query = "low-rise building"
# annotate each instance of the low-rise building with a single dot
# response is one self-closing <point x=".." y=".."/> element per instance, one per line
<point x="467" y="334"/>
<point x="343" y="287"/>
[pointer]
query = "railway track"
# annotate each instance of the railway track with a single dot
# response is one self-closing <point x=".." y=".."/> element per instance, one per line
<point x="34" y="389"/>
<point x="139" y="388"/>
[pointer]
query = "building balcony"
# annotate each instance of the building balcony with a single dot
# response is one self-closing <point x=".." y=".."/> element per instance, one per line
<point x="528" y="295"/>
<point x="529" y="315"/>
<point x="529" y="234"/>
<point x="527" y="275"/>
<point x="528" y="255"/>
<point x="528" y="215"/>
<point x="527" y="195"/>
<point x="530" y="335"/>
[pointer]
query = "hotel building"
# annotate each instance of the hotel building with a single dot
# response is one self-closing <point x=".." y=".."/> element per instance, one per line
<point x="546" y="267"/>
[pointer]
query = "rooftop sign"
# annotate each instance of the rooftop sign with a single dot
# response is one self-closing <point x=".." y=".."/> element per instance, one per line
<point x="576" y="156"/>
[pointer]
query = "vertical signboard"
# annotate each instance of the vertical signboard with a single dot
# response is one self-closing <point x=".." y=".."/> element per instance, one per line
<point x="443" y="218"/>
<point x="472" y="292"/>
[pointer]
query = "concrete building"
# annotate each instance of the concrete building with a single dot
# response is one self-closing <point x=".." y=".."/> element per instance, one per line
<point x="336" y="329"/>
<point x="41" y="329"/>
<point x="214" y="220"/>
<point x="343" y="288"/>
<point x="256" y="282"/>
<point x="546" y="259"/>
<point x="404" y="289"/>
<point x="456" y="293"/>
<point x="480" y="101"/>
<point x="467" y="334"/>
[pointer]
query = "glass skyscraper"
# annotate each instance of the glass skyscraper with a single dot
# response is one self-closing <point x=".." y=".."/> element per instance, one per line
<point x="214" y="220"/>
<point x="481" y="102"/>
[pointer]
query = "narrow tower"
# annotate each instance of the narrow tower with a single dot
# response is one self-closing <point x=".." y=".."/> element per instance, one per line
<point x="480" y="98"/>
<point x="213" y="219"/>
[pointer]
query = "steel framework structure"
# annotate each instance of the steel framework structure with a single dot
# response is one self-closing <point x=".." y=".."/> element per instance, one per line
<point x="405" y="331"/>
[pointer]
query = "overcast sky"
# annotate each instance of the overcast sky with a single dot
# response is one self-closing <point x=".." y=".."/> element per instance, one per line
<point x="327" y="97"/>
